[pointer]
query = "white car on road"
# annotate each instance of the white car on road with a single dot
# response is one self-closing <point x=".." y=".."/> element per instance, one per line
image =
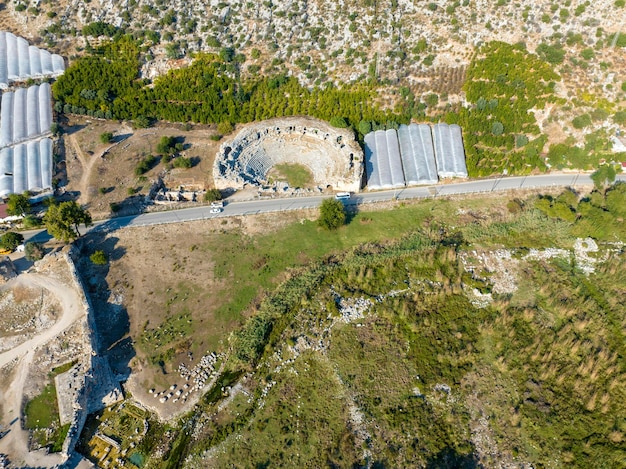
<point x="215" y="210"/>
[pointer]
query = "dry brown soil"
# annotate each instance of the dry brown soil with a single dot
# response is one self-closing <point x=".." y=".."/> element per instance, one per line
<point x="102" y="174"/>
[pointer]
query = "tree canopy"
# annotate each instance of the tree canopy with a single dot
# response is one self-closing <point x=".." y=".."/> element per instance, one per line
<point x="332" y="214"/>
<point x="18" y="205"/>
<point x="10" y="241"/>
<point x="34" y="251"/>
<point x="62" y="220"/>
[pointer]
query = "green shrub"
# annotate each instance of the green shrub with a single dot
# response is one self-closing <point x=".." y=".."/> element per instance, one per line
<point x="31" y="221"/>
<point x="338" y="122"/>
<point x="11" y="240"/>
<point x="332" y="214"/>
<point x="620" y="117"/>
<point x="212" y="195"/>
<point x="225" y="127"/>
<point x="145" y="165"/>
<point x="182" y="162"/>
<point x="99" y="258"/>
<point x="582" y="121"/>
<point x="497" y="128"/>
<point x="34" y="251"/>
<point x="551" y="53"/>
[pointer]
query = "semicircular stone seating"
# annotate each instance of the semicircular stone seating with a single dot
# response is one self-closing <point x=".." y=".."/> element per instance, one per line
<point x="249" y="157"/>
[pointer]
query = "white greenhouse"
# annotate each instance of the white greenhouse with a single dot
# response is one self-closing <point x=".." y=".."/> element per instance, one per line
<point x="25" y="113"/>
<point x="19" y="61"/>
<point x="418" y="156"/>
<point x="26" y="167"/>
<point x="449" y="152"/>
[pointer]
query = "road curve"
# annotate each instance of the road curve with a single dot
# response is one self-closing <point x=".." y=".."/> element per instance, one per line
<point x="15" y="443"/>
<point x="71" y="310"/>
<point x="505" y="183"/>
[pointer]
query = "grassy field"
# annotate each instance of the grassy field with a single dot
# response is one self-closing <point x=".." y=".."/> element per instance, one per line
<point x="42" y="411"/>
<point x="294" y="174"/>
<point x="426" y="377"/>
<point x="42" y="417"/>
<point x="535" y="377"/>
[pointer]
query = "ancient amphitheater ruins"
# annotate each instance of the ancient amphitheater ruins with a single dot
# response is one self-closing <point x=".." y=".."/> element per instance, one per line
<point x="332" y="155"/>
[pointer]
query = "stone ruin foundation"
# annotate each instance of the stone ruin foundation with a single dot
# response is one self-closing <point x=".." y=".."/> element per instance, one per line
<point x="332" y="155"/>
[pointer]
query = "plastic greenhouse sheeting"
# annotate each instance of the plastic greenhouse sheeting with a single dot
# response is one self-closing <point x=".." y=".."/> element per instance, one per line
<point x="23" y="55"/>
<point x="6" y="119"/>
<point x="418" y="158"/>
<point x="20" y="61"/>
<point x="371" y="165"/>
<point x="20" y="131"/>
<point x="46" y="62"/>
<point x="20" y="169"/>
<point x="12" y="57"/>
<point x="6" y="172"/>
<point x="34" y="166"/>
<point x="35" y="60"/>
<point x="449" y="152"/>
<point x="25" y="114"/>
<point x="45" y="160"/>
<point x="458" y="150"/>
<point x="26" y="166"/>
<point x="4" y="68"/>
<point x="382" y="157"/>
<point x="32" y="111"/>
<point x="45" y="108"/>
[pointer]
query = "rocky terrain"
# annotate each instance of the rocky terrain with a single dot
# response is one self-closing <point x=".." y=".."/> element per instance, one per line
<point x="424" y="45"/>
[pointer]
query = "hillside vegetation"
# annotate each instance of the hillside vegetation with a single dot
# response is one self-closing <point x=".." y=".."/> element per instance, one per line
<point x="470" y="334"/>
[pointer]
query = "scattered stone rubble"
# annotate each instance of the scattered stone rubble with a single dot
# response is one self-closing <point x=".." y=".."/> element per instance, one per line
<point x="195" y="379"/>
<point x="352" y="309"/>
<point x="502" y="266"/>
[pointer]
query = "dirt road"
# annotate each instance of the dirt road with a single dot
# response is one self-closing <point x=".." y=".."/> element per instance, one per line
<point x="71" y="310"/>
<point x="15" y="443"/>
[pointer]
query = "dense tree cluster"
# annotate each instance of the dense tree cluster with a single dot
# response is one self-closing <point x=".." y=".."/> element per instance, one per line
<point x="106" y="85"/>
<point x="598" y="215"/>
<point x="504" y="83"/>
<point x="100" y="28"/>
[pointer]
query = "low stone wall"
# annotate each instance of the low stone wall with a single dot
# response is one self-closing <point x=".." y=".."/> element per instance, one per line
<point x="95" y="385"/>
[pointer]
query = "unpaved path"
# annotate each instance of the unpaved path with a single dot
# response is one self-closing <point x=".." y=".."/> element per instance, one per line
<point x="87" y="163"/>
<point x="71" y="310"/>
<point x="15" y="443"/>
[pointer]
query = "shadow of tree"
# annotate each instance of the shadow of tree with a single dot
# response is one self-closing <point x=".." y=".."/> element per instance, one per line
<point x="450" y="458"/>
<point x="110" y="315"/>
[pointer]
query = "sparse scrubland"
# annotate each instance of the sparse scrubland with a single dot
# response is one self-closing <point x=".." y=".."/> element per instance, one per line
<point x="427" y="377"/>
<point x="443" y="333"/>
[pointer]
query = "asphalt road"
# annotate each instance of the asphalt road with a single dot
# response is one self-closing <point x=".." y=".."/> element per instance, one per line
<point x="295" y="203"/>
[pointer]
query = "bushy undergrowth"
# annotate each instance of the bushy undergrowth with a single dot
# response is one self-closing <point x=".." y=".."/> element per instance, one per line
<point x="425" y="365"/>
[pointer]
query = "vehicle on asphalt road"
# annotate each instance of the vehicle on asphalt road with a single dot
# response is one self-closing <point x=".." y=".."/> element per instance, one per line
<point x="342" y="195"/>
<point x="215" y="210"/>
